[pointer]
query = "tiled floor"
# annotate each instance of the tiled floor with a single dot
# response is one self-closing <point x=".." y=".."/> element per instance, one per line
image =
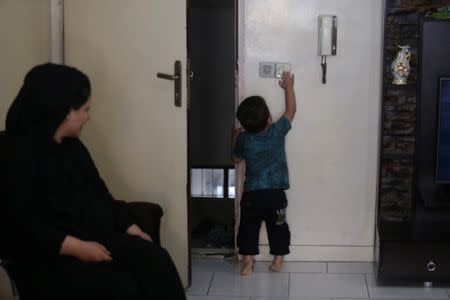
<point x="220" y="280"/>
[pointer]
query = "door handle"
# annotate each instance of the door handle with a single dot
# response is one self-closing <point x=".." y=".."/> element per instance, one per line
<point x="176" y="77"/>
<point x="167" y="76"/>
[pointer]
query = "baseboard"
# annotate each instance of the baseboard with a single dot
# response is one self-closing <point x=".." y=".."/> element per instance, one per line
<point x="322" y="253"/>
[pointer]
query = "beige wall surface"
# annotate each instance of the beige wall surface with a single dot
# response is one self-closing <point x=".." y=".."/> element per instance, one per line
<point x="24" y="43"/>
<point x="332" y="149"/>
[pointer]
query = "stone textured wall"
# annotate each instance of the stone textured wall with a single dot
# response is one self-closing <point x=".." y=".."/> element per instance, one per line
<point x="399" y="108"/>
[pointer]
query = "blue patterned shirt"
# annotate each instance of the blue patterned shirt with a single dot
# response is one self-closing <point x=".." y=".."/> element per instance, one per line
<point x="265" y="158"/>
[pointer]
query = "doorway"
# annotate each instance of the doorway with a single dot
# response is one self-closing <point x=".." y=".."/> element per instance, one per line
<point x="212" y="57"/>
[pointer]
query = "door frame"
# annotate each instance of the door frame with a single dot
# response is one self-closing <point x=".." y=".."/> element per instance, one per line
<point x="238" y="167"/>
<point x="57" y="31"/>
<point x="238" y="4"/>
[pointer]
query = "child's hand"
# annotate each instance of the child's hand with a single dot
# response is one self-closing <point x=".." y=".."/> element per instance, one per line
<point x="287" y="84"/>
<point x="287" y="81"/>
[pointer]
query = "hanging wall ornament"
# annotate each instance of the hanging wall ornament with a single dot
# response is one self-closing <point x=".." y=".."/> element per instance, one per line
<point x="400" y="66"/>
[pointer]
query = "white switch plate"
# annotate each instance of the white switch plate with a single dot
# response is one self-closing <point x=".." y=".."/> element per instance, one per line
<point x="273" y="69"/>
<point x="282" y="67"/>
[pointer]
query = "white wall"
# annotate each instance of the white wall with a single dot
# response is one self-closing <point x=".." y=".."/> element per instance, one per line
<point x="332" y="149"/>
<point x="24" y="40"/>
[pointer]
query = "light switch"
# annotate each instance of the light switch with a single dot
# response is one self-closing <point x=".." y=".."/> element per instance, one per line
<point x="273" y="69"/>
<point x="282" y="67"/>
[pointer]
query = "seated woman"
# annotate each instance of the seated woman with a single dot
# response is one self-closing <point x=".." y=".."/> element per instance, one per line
<point x="70" y="238"/>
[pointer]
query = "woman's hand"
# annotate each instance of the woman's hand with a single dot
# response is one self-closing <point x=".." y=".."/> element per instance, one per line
<point x="135" y="230"/>
<point x="92" y="251"/>
<point x="87" y="251"/>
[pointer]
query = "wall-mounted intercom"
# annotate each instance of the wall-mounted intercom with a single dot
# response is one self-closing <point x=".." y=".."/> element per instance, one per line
<point x="327" y="40"/>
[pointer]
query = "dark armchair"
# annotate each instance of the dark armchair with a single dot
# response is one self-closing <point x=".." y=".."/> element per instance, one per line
<point x="146" y="215"/>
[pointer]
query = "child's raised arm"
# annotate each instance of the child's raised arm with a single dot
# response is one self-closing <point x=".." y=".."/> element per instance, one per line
<point x="234" y="134"/>
<point x="287" y="84"/>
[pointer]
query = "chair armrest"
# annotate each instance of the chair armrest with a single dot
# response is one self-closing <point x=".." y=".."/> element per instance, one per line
<point x="148" y="217"/>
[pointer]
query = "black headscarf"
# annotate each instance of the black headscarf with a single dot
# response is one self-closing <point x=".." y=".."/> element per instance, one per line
<point x="48" y="93"/>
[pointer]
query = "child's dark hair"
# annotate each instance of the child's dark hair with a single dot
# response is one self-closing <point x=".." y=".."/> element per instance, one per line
<point x="253" y="114"/>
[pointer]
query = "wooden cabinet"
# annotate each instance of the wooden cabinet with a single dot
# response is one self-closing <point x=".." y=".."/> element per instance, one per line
<point x="413" y="222"/>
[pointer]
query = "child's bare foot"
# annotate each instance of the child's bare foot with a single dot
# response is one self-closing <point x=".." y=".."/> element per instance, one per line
<point x="277" y="264"/>
<point x="247" y="269"/>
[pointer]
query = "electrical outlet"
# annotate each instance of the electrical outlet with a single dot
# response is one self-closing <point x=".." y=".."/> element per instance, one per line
<point x="267" y="69"/>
